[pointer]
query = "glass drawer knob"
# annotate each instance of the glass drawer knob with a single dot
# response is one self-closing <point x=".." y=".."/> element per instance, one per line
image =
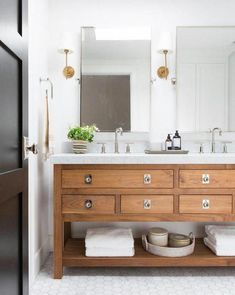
<point x="205" y="204"/>
<point x="88" y="179"/>
<point x="88" y="204"/>
<point x="147" y="178"/>
<point x="205" y="178"/>
<point x="147" y="204"/>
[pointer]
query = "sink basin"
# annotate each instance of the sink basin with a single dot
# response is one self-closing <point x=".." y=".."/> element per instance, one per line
<point x="173" y="152"/>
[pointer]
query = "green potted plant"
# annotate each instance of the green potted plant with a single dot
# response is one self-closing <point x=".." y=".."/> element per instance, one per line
<point x="81" y="135"/>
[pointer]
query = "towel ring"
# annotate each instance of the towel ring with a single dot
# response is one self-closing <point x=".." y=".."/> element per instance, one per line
<point x="51" y="84"/>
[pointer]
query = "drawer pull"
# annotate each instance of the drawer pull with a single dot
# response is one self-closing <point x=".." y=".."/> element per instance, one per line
<point x="147" y="204"/>
<point x="88" y="179"/>
<point x="88" y="204"/>
<point x="205" y="204"/>
<point x="205" y="178"/>
<point x="147" y="178"/>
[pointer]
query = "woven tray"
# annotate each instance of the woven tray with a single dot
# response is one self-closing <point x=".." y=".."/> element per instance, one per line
<point x="168" y="251"/>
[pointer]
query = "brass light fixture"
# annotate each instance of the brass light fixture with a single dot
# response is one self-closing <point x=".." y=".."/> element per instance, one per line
<point x="68" y="71"/>
<point x="165" y="47"/>
<point x="163" y="71"/>
<point x="65" y="48"/>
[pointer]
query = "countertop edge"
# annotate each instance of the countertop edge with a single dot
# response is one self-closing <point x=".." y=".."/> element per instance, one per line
<point x="142" y="159"/>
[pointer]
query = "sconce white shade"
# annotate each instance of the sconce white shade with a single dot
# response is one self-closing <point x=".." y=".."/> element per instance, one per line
<point x="66" y="42"/>
<point x="165" y="42"/>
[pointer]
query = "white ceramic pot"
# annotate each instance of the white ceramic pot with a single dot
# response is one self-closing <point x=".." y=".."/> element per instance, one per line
<point x="79" y="146"/>
<point x="158" y="236"/>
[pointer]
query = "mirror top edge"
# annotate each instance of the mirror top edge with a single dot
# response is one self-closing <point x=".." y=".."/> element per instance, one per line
<point x="118" y="27"/>
<point x="204" y="27"/>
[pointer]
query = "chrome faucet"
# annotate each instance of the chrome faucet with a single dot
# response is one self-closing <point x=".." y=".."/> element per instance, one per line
<point x="213" y="137"/>
<point x="117" y="131"/>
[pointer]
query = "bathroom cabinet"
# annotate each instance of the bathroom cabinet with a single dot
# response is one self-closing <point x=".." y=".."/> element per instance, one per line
<point x="139" y="192"/>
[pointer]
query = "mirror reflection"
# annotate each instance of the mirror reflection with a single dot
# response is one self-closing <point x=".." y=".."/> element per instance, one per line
<point x="205" y="78"/>
<point x="115" y="78"/>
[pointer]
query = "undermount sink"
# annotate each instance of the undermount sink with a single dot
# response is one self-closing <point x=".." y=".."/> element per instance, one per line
<point x="173" y="152"/>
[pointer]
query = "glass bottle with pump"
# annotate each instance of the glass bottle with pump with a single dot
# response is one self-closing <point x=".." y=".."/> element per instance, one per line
<point x="168" y="143"/>
<point x="177" y="141"/>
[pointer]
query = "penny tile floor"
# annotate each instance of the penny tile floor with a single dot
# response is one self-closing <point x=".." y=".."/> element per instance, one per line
<point x="136" y="281"/>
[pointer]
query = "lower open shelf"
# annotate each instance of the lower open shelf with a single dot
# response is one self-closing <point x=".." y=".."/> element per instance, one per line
<point x="74" y="255"/>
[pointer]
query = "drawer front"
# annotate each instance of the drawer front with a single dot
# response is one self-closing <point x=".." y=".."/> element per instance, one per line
<point x="205" y="204"/>
<point x="207" y="178"/>
<point x="117" y="178"/>
<point x="88" y="204"/>
<point x="146" y="204"/>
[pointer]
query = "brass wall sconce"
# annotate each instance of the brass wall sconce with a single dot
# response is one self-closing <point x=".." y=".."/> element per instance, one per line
<point x="165" y="47"/>
<point x="66" y="43"/>
<point x="68" y="71"/>
<point x="163" y="71"/>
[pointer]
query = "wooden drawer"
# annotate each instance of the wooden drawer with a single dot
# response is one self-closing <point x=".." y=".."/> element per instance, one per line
<point x="88" y="204"/>
<point x="147" y="204"/>
<point x="205" y="204"/>
<point x="207" y="178"/>
<point x="117" y="178"/>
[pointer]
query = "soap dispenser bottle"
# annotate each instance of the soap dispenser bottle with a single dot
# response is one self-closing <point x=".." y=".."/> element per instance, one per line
<point x="168" y="143"/>
<point x="177" y="141"/>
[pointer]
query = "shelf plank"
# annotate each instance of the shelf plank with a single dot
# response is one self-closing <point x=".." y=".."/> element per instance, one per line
<point x="74" y="255"/>
<point x="70" y="217"/>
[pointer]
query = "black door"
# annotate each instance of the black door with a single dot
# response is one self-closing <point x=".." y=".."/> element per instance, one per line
<point x="13" y="168"/>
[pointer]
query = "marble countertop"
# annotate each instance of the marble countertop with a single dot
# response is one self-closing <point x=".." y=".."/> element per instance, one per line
<point x="141" y="158"/>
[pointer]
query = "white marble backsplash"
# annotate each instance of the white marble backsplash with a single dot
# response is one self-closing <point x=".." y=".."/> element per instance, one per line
<point x="139" y="141"/>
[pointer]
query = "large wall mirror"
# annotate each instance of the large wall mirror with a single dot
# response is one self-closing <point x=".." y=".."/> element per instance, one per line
<point x="115" y="78"/>
<point x="205" y="78"/>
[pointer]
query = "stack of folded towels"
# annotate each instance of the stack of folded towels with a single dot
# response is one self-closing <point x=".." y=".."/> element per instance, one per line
<point x="220" y="239"/>
<point x="109" y="242"/>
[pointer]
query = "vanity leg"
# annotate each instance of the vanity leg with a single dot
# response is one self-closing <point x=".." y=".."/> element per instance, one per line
<point x="67" y="231"/>
<point x="58" y="224"/>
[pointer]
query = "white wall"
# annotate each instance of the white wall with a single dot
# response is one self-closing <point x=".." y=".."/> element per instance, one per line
<point x="160" y="15"/>
<point x="70" y="15"/>
<point x="38" y="169"/>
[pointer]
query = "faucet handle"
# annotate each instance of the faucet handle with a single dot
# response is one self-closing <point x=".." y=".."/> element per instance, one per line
<point x="103" y="151"/>
<point x="201" y="144"/>
<point x="201" y="148"/>
<point x="225" y="146"/>
<point x="128" y="148"/>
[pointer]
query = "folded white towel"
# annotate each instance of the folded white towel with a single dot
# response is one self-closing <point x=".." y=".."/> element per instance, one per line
<point x="109" y="252"/>
<point x="220" y="251"/>
<point x="221" y="235"/>
<point x="108" y="237"/>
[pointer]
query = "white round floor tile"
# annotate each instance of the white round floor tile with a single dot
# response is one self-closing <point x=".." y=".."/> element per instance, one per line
<point x="131" y="281"/>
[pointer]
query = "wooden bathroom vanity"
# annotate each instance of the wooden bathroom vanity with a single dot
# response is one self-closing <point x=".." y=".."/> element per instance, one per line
<point x="140" y="192"/>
